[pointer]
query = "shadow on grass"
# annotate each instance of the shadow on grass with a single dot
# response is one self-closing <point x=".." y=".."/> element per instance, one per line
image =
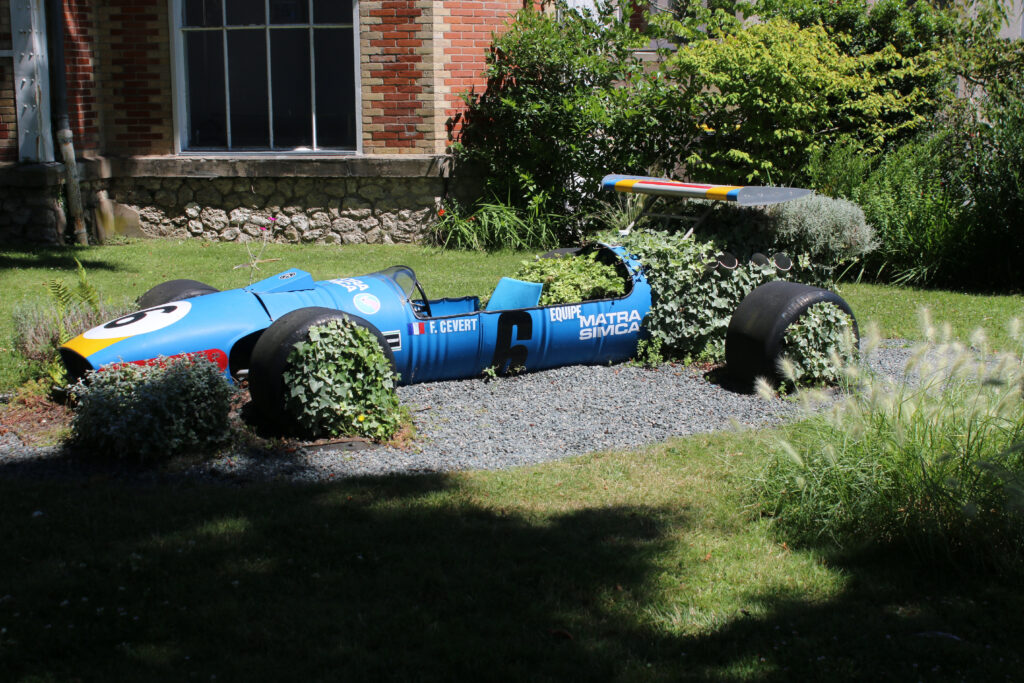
<point x="420" y="578"/>
<point x="894" y="621"/>
<point x="54" y="258"/>
<point x="401" y="578"/>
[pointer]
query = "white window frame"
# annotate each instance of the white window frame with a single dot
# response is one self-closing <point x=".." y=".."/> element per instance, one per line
<point x="180" y="79"/>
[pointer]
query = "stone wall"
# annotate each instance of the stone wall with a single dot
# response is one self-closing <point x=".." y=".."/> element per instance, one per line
<point x="31" y="206"/>
<point x="321" y="210"/>
<point x="385" y="199"/>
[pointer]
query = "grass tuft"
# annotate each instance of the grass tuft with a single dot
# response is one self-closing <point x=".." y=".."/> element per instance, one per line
<point x="930" y="463"/>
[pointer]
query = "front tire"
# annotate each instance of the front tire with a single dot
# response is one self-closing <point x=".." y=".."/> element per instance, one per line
<point x="270" y="357"/>
<point x="758" y="326"/>
<point x="174" y="290"/>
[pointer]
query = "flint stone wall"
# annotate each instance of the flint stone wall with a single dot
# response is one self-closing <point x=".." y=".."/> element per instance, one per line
<point x="31" y="208"/>
<point x="341" y="200"/>
<point x="320" y="210"/>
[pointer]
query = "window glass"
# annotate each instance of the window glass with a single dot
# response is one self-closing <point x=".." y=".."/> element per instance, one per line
<point x="245" y="12"/>
<point x="202" y="13"/>
<point x="289" y="11"/>
<point x="335" y="87"/>
<point x="204" y="53"/>
<point x="247" y="78"/>
<point x="289" y="73"/>
<point x="260" y="75"/>
<point x="332" y="11"/>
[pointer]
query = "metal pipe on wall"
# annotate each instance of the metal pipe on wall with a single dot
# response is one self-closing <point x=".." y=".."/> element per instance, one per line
<point x="61" y="122"/>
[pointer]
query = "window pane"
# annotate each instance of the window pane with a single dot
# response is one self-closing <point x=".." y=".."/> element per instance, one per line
<point x="202" y="13"/>
<point x="335" y="88"/>
<point x="247" y="78"/>
<point x="245" y="12"/>
<point x="289" y="11"/>
<point x="289" y="71"/>
<point x="332" y="11"/>
<point x="204" y="58"/>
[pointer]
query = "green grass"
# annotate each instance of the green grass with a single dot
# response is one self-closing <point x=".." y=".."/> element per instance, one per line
<point x="630" y="566"/>
<point x="126" y="271"/>
<point x="612" y="566"/>
<point x="894" y="308"/>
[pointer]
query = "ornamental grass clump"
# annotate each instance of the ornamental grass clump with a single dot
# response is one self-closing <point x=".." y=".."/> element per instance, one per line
<point x="148" y="413"/>
<point x="339" y="383"/>
<point x="933" y="463"/>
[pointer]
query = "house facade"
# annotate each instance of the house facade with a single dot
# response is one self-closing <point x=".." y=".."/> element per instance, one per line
<point x="207" y="118"/>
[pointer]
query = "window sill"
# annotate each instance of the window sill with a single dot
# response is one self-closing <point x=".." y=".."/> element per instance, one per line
<point x="222" y="165"/>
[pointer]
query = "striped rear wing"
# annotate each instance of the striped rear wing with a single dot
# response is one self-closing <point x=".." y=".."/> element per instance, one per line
<point x="742" y="196"/>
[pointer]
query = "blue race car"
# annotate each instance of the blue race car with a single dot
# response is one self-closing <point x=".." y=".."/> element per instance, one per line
<point x="249" y="331"/>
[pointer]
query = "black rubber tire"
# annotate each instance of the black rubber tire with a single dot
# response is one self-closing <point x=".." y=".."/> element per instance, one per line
<point x="753" y="342"/>
<point x="270" y="355"/>
<point x="174" y="290"/>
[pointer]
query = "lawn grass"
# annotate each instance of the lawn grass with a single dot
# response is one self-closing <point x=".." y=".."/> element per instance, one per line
<point x="642" y="565"/>
<point x="894" y="308"/>
<point x="123" y="272"/>
<point x="612" y="566"/>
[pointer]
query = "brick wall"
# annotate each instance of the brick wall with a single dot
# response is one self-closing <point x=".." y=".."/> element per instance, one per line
<point x="135" y="83"/>
<point x="417" y="57"/>
<point x="465" y="33"/>
<point x="394" y="46"/>
<point x="80" y="67"/>
<point x="8" y="129"/>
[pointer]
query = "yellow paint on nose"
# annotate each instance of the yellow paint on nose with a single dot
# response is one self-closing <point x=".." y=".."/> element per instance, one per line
<point x="86" y="347"/>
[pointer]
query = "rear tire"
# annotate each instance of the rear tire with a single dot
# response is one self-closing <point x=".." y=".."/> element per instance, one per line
<point x="174" y="290"/>
<point x="270" y="357"/>
<point x="758" y="326"/>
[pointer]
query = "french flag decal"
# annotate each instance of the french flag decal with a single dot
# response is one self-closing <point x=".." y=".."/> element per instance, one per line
<point x="417" y="328"/>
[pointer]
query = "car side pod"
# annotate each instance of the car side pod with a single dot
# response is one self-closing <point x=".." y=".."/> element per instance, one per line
<point x="753" y="343"/>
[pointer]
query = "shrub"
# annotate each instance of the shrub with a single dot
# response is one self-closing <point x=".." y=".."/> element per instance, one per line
<point x="839" y="169"/>
<point x="692" y="300"/>
<point x="818" y="347"/>
<point x="831" y="232"/>
<point x="773" y="92"/>
<point x="572" y="278"/>
<point x="993" y="171"/>
<point x="40" y="329"/>
<point x="821" y="234"/>
<point x="150" y="412"/>
<point x="568" y="98"/>
<point x="911" y="201"/>
<point x="933" y="465"/>
<point x="339" y="383"/>
<point x="945" y="204"/>
<point x="540" y="133"/>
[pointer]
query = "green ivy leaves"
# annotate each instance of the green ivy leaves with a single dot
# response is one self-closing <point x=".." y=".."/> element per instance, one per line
<point x="818" y="346"/>
<point x="572" y="279"/>
<point x="339" y="383"/>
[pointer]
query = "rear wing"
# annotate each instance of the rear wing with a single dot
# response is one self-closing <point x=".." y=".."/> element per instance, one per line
<point x="741" y="196"/>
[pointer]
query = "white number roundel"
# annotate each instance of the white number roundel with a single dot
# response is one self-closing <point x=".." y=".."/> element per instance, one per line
<point x="141" y="322"/>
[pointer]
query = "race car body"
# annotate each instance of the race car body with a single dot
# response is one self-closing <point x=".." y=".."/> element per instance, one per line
<point x="428" y="339"/>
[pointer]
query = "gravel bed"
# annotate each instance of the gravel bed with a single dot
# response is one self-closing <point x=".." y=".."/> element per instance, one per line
<point x="509" y="422"/>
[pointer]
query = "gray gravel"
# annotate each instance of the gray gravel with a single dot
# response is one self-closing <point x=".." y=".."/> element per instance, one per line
<point x="509" y="422"/>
